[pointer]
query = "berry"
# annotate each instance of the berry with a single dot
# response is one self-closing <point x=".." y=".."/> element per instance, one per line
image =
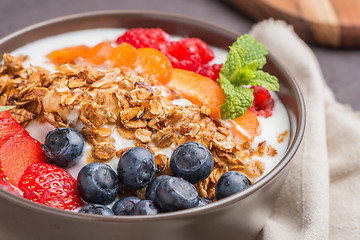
<point x="203" y="201"/>
<point x="96" y="209"/>
<point x="63" y="147"/>
<point x="136" y="167"/>
<point x="210" y="71"/>
<point x="145" y="207"/>
<point x="8" y="125"/>
<point x="189" y="49"/>
<point x="17" y="152"/>
<point x="5" y="184"/>
<point x="192" y="161"/>
<point x="50" y="185"/>
<point x="144" y="37"/>
<point x="263" y="104"/>
<point x="175" y="194"/>
<point x="124" y="205"/>
<point x="98" y="183"/>
<point x="152" y="186"/>
<point x="230" y="183"/>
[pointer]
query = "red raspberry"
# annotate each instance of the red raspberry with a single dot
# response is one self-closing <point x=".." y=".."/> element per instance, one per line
<point x="144" y="37"/>
<point x="50" y="185"/>
<point x="263" y="104"/>
<point x="189" y="50"/>
<point x="210" y="71"/>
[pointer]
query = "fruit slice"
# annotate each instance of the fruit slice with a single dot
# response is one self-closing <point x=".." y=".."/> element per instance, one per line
<point x="199" y="89"/>
<point x="153" y="64"/>
<point x="50" y="185"/>
<point x="98" y="54"/>
<point x="17" y="152"/>
<point x="247" y="126"/>
<point x="124" y="55"/>
<point x="67" y="55"/>
<point x="5" y="183"/>
<point x="9" y="125"/>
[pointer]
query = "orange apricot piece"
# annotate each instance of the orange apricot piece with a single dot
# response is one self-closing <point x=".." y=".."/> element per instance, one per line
<point x="249" y="124"/>
<point x="67" y="55"/>
<point x="98" y="54"/>
<point x="153" y="64"/>
<point x="199" y="89"/>
<point x="124" y="55"/>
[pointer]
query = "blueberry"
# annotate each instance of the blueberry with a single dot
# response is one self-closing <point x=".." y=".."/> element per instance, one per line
<point x="145" y="207"/>
<point x="203" y="201"/>
<point x="136" y="167"/>
<point x="96" y="209"/>
<point x="230" y="183"/>
<point x="98" y="183"/>
<point x="192" y="161"/>
<point x="63" y="147"/>
<point x="124" y="205"/>
<point x="152" y="186"/>
<point x="175" y="194"/>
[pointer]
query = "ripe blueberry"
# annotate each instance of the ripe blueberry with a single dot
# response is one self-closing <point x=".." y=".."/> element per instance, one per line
<point x="63" y="147"/>
<point x="98" y="183"/>
<point x="175" y="194"/>
<point x="230" y="183"/>
<point x="124" y="205"/>
<point x="96" y="209"/>
<point x="152" y="186"/>
<point x="145" y="207"/>
<point x="136" y="167"/>
<point x="192" y="161"/>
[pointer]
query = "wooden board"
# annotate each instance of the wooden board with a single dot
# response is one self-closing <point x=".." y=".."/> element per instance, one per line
<point x="334" y="23"/>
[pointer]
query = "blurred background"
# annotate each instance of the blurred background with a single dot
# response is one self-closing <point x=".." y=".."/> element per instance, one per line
<point x="340" y="65"/>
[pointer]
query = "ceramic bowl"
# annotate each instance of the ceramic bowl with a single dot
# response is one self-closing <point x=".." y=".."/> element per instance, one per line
<point x="240" y="216"/>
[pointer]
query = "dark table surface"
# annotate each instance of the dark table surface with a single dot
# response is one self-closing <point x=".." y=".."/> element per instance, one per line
<point x="341" y="67"/>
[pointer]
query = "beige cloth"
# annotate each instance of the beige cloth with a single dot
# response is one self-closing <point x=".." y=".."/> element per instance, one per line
<point x="321" y="195"/>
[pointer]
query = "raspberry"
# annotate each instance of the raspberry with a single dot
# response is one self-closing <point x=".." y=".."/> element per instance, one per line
<point x="188" y="53"/>
<point x="210" y="71"/>
<point x="144" y="37"/>
<point x="263" y="104"/>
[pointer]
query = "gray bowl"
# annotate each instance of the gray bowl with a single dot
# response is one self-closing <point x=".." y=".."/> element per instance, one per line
<point x="240" y="216"/>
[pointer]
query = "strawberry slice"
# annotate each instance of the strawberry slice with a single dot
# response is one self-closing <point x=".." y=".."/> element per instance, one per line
<point x="50" y="185"/>
<point x="5" y="184"/>
<point x="17" y="152"/>
<point x="8" y="125"/>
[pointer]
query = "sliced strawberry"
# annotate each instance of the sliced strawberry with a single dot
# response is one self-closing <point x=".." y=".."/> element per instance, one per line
<point x="50" y="185"/>
<point x="17" y="152"/>
<point x="8" y="125"/>
<point x="5" y="183"/>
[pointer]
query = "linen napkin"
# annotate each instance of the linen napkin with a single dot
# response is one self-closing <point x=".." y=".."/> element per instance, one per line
<point x="321" y="195"/>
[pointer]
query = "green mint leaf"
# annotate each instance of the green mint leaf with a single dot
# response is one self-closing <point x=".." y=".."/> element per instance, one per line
<point x="6" y="108"/>
<point x="265" y="79"/>
<point x="238" y="99"/>
<point x="242" y="68"/>
<point x="254" y="51"/>
<point x="232" y="66"/>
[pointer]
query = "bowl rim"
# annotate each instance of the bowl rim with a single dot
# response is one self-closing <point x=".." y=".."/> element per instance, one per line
<point x="215" y="206"/>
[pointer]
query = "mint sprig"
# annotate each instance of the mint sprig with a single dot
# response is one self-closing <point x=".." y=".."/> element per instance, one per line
<point x="6" y="108"/>
<point x="242" y="68"/>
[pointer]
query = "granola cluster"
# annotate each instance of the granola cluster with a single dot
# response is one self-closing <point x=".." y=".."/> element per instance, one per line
<point x="100" y="102"/>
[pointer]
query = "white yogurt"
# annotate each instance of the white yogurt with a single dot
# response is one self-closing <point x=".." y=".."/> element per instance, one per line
<point x="271" y="127"/>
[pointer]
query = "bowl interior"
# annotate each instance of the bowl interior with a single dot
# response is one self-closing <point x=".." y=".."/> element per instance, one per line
<point x="177" y="25"/>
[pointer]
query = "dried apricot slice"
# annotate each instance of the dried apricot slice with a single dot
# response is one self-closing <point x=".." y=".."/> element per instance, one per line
<point x="153" y="64"/>
<point x="124" y="55"/>
<point x="98" y="54"/>
<point x="67" y="55"/>
<point x="249" y="126"/>
<point x="199" y="89"/>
